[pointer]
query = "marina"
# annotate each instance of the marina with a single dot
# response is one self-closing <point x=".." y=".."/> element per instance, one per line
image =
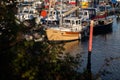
<point x="73" y="24"/>
<point x="60" y="40"/>
<point x="104" y="57"/>
<point x="61" y="24"/>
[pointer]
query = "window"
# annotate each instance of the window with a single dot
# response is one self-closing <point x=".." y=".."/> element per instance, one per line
<point x="85" y="13"/>
<point x="73" y="22"/>
<point x="31" y="12"/>
<point x="26" y="11"/>
<point x="77" y="22"/>
<point x="102" y="8"/>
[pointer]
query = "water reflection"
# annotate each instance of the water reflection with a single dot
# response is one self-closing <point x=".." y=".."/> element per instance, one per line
<point x="89" y="75"/>
<point x="73" y="47"/>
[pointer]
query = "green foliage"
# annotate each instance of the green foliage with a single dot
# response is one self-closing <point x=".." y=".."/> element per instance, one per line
<point x="8" y="26"/>
<point x="42" y="61"/>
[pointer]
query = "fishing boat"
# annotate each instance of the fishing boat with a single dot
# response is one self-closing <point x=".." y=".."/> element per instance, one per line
<point x="103" y="26"/>
<point x="101" y="14"/>
<point x="71" y="29"/>
<point x="103" y="21"/>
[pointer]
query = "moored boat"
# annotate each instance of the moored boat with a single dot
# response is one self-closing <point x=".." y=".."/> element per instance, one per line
<point x="103" y="26"/>
<point x="71" y="29"/>
<point x="103" y="21"/>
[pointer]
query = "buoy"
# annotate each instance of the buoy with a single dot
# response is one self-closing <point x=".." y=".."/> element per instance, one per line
<point x="43" y="13"/>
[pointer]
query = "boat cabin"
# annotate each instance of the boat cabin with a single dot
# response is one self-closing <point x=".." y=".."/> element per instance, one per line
<point x="90" y="12"/>
<point x="75" y="24"/>
<point x="26" y="14"/>
<point x="84" y="14"/>
<point x="52" y="16"/>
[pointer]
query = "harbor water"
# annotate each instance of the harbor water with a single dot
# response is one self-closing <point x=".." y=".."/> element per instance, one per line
<point x="105" y="55"/>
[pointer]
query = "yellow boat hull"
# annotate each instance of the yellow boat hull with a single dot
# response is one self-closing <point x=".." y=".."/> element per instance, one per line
<point x="58" y="35"/>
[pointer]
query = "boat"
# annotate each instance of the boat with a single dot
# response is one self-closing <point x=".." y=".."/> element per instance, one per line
<point x="103" y="21"/>
<point x="26" y="13"/>
<point x="52" y="16"/>
<point x="72" y="29"/>
<point x="101" y="16"/>
<point x="103" y="26"/>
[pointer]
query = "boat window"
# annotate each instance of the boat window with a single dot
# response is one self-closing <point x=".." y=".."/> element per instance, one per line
<point x="26" y="11"/>
<point x="58" y="12"/>
<point x="85" y="13"/>
<point x="77" y="22"/>
<point x="73" y="22"/>
<point x="102" y="8"/>
<point x="67" y="21"/>
<point x="51" y="12"/>
<point x="81" y="13"/>
<point x="31" y="12"/>
<point x="20" y="11"/>
<point x="109" y="8"/>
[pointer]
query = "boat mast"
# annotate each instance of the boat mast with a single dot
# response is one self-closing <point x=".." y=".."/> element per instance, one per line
<point x="51" y="5"/>
<point x="61" y="14"/>
<point x="76" y="4"/>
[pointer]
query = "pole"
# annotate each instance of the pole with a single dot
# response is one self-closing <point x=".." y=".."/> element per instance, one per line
<point x="89" y="74"/>
<point x="76" y="4"/>
<point x="90" y="36"/>
<point x="61" y="17"/>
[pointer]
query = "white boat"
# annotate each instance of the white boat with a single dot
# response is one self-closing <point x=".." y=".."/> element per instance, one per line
<point x="53" y="16"/>
<point x="26" y="14"/>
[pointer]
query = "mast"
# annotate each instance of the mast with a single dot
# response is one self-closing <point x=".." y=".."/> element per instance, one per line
<point x="76" y="4"/>
<point x="51" y="5"/>
<point x="61" y="14"/>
